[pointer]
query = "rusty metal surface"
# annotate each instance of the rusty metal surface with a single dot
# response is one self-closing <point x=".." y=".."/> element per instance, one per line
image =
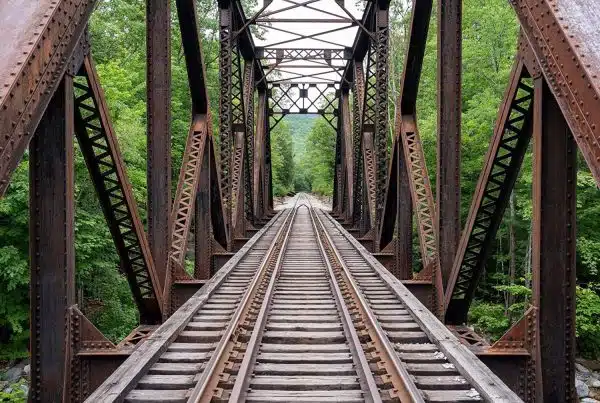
<point x="52" y="258"/>
<point x="553" y="247"/>
<point x="563" y="35"/>
<point x="158" y="107"/>
<point x="103" y="158"/>
<point x="38" y="39"/>
<point x="449" y="102"/>
<point x="498" y="176"/>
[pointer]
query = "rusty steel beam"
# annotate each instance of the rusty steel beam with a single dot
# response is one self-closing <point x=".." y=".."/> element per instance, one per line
<point x="337" y="171"/>
<point x="563" y="37"/>
<point x="554" y="247"/>
<point x="262" y="121"/>
<point x="249" y="89"/>
<point x="158" y="94"/>
<point x="40" y="38"/>
<point x="103" y="158"/>
<point x="194" y="184"/>
<point x="358" y="88"/>
<point x="449" y="101"/>
<point x="303" y="54"/>
<point x="496" y="182"/>
<point x="52" y="247"/>
<point x="375" y="114"/>
<point x="418" y="177"/>
<point x="347" y="155"/>
<point x="396" y="226"/>
<point x="233" y="122"/>
<point x="185" y="197"/>
<point x="203" y="241"/>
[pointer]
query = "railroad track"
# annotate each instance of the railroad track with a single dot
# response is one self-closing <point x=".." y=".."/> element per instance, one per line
<point x="303" y="314"/>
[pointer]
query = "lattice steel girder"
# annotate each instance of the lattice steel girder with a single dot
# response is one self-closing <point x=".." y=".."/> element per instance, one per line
<point x="198" y="176"/>
<point x="185" y="197"/>
<point x="52" y="250"/>
<point x="158" y="93"/>
<point x="449" y="104"/>
<point x="406" y="105"/>
<point x="360" y="46"/>
<point x="100" y="150"/>
<point x="225" y="109"/>
<point x="302" y="98"/>
<point x="496" y="182"/>
<point x="40" y="37"/>
<point x="375" y="112"/>
<point x="423" y="205"/>
<point x="357" y="105"/>
<point x="249" y="87"/>
<point x="554" y="247"/>
<point x="562" y="36"/>
<point x="303" y="54"/>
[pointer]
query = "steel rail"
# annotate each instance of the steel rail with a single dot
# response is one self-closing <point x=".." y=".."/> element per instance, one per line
<point x="479" y="376"/>
<point x="199" y="393"/>
<point x="243" y="374"/>
<point x="358" y="354"/>
<point x="408" y="390"/>
<point x="126" y="376"/>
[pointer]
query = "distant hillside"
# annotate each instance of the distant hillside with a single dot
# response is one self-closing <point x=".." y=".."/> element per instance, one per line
<point x="300" y="126"/>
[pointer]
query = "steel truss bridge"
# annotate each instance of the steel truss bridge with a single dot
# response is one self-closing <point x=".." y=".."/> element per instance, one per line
<point x="300" y="304"/>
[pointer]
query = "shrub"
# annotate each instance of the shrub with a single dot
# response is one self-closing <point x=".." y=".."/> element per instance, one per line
<point x="587" y="323"/>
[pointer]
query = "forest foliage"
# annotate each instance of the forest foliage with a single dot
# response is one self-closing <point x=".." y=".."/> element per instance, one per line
<point x="302" y="156"/>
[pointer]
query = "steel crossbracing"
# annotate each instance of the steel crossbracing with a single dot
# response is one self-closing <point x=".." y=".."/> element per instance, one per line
<point x="312" y="57"/>
<point x="270" y="328"/>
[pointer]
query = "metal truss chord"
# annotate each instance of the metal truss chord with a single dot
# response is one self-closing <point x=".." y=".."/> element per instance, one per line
<point x="103" y="158"/>
<point x="503" y="162"/>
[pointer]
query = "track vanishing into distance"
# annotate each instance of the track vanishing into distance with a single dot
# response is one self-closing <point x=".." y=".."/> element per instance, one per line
<point x="302" y="313"/>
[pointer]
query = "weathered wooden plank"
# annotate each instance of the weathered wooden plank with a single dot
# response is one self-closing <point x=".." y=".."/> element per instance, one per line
<point x="293" y="358"/>
<point x="455" y="396"/>
<point x="267" y="396"/>
<point x="163" y="382"/>
<point x="305" y="382"/>
<point x="172" y="368"/>
<point x="304" y="337"/>
<point x="442" y="382"/>
<point x="304" y="369"/>
<point x="184" y="357"/>
<point x="304" y="348"/>
<point x="158" y="396"/>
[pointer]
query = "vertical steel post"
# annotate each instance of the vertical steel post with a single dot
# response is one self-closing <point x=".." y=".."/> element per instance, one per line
<point x="249" y="87"/>
<point x="404" y="219"/>
<point x="225" y="110"/>
<point x="348" y="154"/>
<point x="381" y="109"/>
<point x="158" y="39"/>
<point x="52" y="254"/>
<point x="358" y="87"/>
<point x="202" y="221"/>
<point x="262" y="122"/>
<point x="554" y="248"/>
<point x="448" y="129"/>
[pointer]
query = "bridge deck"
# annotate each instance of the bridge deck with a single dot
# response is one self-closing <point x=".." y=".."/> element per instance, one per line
<point x="303" y="313"/>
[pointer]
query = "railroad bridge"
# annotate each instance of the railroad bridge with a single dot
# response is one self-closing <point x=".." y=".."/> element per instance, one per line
<point x="300" y="304"/>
